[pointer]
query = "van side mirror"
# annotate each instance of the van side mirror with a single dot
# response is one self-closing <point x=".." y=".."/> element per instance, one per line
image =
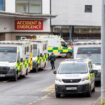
<point x="92" y="71"/>
<point x="54" y="72"/>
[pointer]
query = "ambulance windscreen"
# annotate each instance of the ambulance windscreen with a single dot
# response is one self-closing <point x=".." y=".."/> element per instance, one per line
<point x="8" y="54"/>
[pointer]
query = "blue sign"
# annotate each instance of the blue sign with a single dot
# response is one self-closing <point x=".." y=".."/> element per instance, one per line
<point x="2" y="5"/>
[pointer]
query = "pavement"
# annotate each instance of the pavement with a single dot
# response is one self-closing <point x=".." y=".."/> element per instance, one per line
<point x="98" y="102"/>
<point x="38" y="89"/>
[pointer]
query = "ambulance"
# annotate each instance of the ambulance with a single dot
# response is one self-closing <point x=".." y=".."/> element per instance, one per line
<point x="28" y="51"/>
<point x="90" y="49"/>
<point x="40" y="54"/>
<point x="14" y="60"/>
<point x="57" y="45"/>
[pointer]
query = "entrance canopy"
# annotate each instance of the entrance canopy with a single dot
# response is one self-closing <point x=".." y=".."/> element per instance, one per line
<point x="25" y="15"/>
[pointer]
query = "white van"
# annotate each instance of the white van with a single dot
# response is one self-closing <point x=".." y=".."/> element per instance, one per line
<point x="91" y="50"/>
<point x="74" y="76"/>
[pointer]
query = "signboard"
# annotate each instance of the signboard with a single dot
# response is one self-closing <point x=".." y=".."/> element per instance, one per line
<point x="28" y="24"/>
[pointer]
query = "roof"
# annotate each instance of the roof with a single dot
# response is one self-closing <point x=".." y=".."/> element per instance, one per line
<point x="15" y="42"/>
<point x="87" y="42"/>
<point x="78" y="60"/>
<point x="25" y="15"/>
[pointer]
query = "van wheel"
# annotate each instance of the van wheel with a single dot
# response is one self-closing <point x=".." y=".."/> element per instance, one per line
<point x="57" y="95"/>
<point x="89" y="93"/>
<point x="93" y="89"/>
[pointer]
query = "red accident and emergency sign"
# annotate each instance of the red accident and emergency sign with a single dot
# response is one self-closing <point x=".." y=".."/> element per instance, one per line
<point x="29" y="24"/>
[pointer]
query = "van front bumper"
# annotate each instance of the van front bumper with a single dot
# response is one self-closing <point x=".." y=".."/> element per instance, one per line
<point x="72" y="89"/>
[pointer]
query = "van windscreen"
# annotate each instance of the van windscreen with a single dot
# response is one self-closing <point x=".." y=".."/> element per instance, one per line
<point x="89" y="50"/>
<point x="72" y="68"/>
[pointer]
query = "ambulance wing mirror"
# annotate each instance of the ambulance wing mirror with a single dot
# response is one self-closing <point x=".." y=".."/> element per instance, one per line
<point x="63" y="44"/>
<point x="26" y="57"/>
<point x="21" y="60"/>
<point x="92" y="71"/>
<point x="18" y="61"/>
<point x="54" y="72"/>
<point x="41" y="55"/>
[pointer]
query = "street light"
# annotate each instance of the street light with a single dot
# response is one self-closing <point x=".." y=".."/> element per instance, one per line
<point x="103" y="53"/>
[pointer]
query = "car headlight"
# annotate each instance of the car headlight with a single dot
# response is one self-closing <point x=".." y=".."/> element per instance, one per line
<point x="99" y="70"/>
<point x="84" y="79"/>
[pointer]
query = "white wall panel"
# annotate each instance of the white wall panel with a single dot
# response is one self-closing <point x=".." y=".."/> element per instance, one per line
<point x="10" y="6"/>
<point x="71" y="12"/>
<point x="46" y="6"/>
<point x="7" y="24"/>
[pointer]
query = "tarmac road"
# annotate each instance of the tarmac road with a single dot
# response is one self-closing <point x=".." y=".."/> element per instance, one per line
<point x="38" y="89"/>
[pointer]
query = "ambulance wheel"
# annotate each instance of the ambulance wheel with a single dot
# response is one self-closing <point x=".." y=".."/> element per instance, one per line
<point x="44" y="65"/>
<point x="15" y="78"/>
<point x="27" y="72"/>
<point x="68" y="55"/>
<point x="36" y="69"/>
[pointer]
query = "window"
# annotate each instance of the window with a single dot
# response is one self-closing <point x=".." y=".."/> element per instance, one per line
<point x="31" y="48"/>
<point x="90" y="65"/>
<point x="88" y="8"/>
<point x="2" y="5"/>
<point x="27" y="49"/>
<point x="63" y="44"/>
<point x="35" y="46"/>
<point x="44" y="46"/>
<point x="29" y="6"/>
<point x="8" y="49"/>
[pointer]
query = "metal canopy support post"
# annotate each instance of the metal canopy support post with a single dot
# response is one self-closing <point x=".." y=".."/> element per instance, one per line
<point x="60" y="31"/>
<point x="103" y="52"/>
<point x="70" y="32"/>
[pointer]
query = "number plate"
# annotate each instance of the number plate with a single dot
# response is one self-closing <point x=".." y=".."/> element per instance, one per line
<point x="2" y="75"/>
<point x="71" y="88"/>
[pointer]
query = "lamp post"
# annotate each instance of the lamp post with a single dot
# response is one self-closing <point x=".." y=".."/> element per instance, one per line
<point x="103" y="53"/>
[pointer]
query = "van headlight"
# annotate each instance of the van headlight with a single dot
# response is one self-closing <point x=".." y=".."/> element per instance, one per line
<point x="12" y="68"/>
<point x="85" y="78"/>
<point x="58" y="80"/>
<point x="11" y="71"/>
